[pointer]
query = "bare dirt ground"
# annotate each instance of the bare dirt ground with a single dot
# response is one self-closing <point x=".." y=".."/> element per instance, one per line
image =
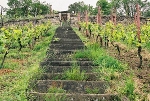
<point x="142" y="76"/>
<point x="5" y="71"/>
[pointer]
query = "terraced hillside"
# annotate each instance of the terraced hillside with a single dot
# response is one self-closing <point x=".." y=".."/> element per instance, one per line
<point x="67" y="78"/>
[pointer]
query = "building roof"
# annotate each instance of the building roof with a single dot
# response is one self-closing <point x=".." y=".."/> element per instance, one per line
<point x="64" y="12"/>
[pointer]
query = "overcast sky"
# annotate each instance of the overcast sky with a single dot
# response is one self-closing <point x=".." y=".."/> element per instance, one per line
<point x="59" y="5"/>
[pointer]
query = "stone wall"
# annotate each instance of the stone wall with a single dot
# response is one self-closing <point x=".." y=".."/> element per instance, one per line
<point x="74" y="20"/>
<point x="120" y="19"/>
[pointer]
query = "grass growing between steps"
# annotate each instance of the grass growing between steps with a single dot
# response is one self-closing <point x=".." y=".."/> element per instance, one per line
<point x="55" y="97"/>
<point x="74" y="73"/>
<point x="56" y="90"/>
<point x="119" y="75"/>
<point x="111" y="70"/>
<point x="24" y="67"/>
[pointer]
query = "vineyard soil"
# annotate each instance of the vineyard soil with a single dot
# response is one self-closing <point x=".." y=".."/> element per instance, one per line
<point x="130" y="57"/>
<point x="5" y="71"/>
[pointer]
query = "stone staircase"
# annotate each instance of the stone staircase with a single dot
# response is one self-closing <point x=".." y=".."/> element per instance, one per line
<point x="59" y="59"/>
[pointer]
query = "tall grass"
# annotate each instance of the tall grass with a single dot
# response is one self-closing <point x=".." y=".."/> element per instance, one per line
<point x="74" y="73"/>
<point x="109" y="69"/>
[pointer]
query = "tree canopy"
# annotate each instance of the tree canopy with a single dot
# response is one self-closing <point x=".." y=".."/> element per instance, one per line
<point x="19" y="8"/>
<point x="27" y="7"/>
<point x="123" y="7"/>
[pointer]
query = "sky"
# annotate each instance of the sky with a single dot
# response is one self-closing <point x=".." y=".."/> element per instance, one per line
<point x="59" y="5"/>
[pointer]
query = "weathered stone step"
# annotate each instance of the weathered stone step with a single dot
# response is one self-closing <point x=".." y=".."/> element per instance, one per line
<point x="61" y="50"/>
<point x="67" y="47"/>
<point x="63" y="57"/>
<point x="60" y="69"/>
<point x="73" y="97"/>
<point x="67" y="35"/>
<point x="66" y="42"/>
<point x="61" y="76"/>
<point x="59" y="58"/>
<point x="52" y="53"/>
<point x="71" y="86"/>
<point x="69" y="40"/>
<point x="66" y="32"/>
<point x="68" y="63"/>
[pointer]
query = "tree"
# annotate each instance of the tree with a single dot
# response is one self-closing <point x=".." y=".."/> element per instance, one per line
<point x="14" y="5"/>
<point x="19" y="8"/>
<point x="78" y="7"/>
<point x="127" y="7"/>
<point x="26" y="5"/>
<point x="105" y="6"/>
<point x="38" y="8"/>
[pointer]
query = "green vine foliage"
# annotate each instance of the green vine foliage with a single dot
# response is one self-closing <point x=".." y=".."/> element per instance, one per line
<point x="17" y="37"/>
<point x="120" y="32"/>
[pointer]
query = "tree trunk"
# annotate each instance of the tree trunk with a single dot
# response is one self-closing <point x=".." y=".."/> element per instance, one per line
<point x="117" y="46"/>
<point x="140" y="56"/>
<point x="101" y="41"/>
<point x="20" y="45"/>
<point x="4" y="59"/>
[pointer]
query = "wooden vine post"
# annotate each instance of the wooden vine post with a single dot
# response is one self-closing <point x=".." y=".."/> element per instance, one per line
<point x="1" y="14"/>
<point x="99" y="22"/>
<point x="53" y="14"/>
<point x="86" y="19"/>
<point x="113" y="17"/>
<point x="137" y="23"/>
<point x="79" y="16"/>
<point x="99" y="19"/>
<point x="50" y="10"/>
<point x="114" y="21"/>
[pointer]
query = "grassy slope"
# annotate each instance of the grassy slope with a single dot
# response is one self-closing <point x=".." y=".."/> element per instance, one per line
<point x="110" y="69"/>
<point x="24" y="66"/>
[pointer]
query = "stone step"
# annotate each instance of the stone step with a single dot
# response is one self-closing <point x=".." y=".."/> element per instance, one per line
<point x="49" y="51"/>
<point x="61" y="76"/>
<point x="72" y="47"/>
<point x="62" y="57"/>
<point x="36" y="96"/>
<point x="69" y="40"/>
<point x="68" y="48"/>
<point x="71" y="86"/>
<point x="59" y="58"/>
<point x="59" y="54"/>
<point x="67" y="35"/>
<point x="67" y="63"/>
<point x="60" y="69"/>
<point x="66" y="42"/>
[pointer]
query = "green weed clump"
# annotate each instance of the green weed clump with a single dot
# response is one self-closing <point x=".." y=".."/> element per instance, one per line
<point x="109" y="69"/>
<point x="92" y="91"/>
<point x="128" y="89"/>
<point x="56" y="90"/>
<point x="55" y="97"/>
<point x="74" y="74"/>
<point x="148" y="46"/>
<point x="54" y="94"/>
<point x="100" y="57"/>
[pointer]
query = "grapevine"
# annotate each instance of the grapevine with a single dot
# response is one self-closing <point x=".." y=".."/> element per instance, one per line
<point x="23" y="35"/>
